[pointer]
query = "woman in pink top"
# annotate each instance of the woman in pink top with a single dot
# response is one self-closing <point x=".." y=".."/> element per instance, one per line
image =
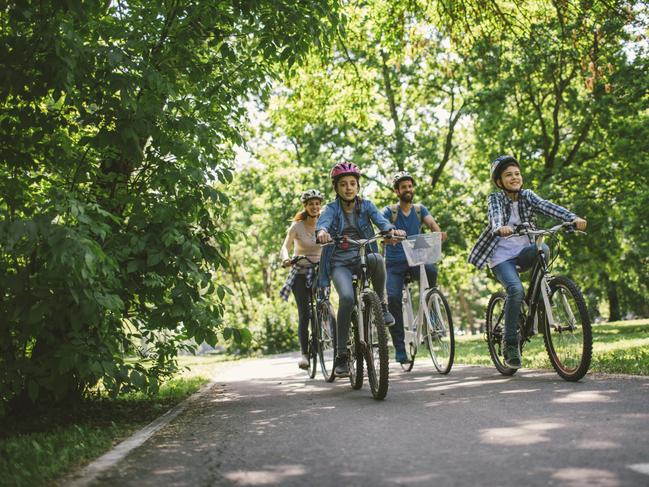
<point x="301" y="236"/>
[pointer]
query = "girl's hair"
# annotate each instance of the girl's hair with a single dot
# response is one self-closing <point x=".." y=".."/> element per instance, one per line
<point x="300" y="215"/>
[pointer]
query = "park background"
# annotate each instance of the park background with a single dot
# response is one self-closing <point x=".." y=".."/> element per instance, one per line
<point x="153" y="154"/>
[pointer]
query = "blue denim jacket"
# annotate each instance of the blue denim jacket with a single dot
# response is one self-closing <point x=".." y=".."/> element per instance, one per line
<point x="333" y="221"/>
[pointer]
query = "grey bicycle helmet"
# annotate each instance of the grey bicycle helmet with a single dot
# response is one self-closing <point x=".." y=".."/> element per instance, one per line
<point x="311" y="194"/>
<point x="401" y="176"/>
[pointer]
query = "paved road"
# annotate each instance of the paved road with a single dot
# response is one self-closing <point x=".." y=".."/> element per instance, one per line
<point x="264" y="423"/>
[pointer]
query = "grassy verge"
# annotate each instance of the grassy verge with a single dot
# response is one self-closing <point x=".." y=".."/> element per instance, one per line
<point x="621" y="347"/>
<point x="37" y="449"/>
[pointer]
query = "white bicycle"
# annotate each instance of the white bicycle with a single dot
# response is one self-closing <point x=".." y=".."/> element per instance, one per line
<point x="433" y="323"/>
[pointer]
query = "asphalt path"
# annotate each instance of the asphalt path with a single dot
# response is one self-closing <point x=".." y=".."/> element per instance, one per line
<point x="264" y="423"/>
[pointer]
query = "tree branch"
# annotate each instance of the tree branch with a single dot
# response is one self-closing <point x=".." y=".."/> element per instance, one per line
<point x="389" y="93"/>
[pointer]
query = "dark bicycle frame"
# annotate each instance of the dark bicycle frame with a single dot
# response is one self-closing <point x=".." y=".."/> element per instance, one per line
<point x="533" y="296"/>
<point x="315" y="298"/>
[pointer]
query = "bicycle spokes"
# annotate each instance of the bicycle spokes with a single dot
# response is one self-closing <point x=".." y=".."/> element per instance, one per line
<point x="495" y="329"/>
<point x="568" y="339"/>
<point x="439" y="333"/>
<point x="567" y="336"/>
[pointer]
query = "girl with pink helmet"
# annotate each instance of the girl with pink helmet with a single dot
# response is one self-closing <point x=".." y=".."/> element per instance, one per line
<point x="353" y="216"/>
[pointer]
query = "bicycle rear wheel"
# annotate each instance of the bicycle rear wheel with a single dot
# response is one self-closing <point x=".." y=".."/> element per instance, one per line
<point x="439" y="333"/>
<point x="569" y="342"/>
<point x="355" y="355"/>
<point x="326" y="340"/>
<point x="495" y="331"/>
<point x="376" y="350"/>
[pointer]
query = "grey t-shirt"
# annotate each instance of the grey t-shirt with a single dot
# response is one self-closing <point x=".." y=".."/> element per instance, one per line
<point x="351" y="230"/>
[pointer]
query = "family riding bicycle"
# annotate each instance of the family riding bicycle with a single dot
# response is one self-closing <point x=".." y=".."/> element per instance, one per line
<point x="339" y="246"/>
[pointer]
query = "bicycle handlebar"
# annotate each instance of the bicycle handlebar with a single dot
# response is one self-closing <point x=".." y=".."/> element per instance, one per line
<point x="298" y="258"/>
<point x="525" y="229"/>
<point x="336" y="239"/>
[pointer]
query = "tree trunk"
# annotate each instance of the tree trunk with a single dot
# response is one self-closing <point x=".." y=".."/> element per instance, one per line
<point x="467" y="311"/>
<point x="614" y="313"/>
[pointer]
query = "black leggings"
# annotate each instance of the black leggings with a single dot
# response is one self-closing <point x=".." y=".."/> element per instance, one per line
<point x="301" y="293"/>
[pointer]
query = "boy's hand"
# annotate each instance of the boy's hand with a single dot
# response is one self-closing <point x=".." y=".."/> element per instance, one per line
<point x="323" y="237"/>
<point x="286" y="263"/>
<point x="580" y="224"/>
<point x="505" y="231"/>
<point x="444" y="235"/>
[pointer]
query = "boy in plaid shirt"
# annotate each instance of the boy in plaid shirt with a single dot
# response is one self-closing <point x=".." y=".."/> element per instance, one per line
<point x="508" y="208"/>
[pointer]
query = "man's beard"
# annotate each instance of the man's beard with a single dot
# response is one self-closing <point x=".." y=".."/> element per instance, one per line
<point x="406" y="197"/>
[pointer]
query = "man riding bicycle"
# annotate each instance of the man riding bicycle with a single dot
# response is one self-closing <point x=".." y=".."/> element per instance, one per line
<point x="351" y="216"/>
<point x="408" y="217"/>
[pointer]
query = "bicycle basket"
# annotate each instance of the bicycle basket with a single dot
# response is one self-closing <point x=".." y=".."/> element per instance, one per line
<point x="424" y="248"/>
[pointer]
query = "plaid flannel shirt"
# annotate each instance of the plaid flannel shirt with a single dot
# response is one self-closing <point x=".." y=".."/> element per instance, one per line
<point x="499" y="210"/>
<point x="285" y="292"/>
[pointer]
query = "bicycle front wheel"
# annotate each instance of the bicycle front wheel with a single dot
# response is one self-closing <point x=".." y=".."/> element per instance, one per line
<point x="569" y="341"/>
<point x="439" y="331"/>
<point x="356" y="354"/>
<point x="496" y="330"/>
<point x="376" y="350"/>
<point x="312" y="348"/>
<point x="326" y="340"/>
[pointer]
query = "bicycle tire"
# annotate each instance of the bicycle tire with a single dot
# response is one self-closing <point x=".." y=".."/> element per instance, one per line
<point x="312" y="349"/>
<point x="440" y="336"/>
<point x="407" y="366"/>
<point x="355" y="354"/>
<point x="411" y="348"/>
<point x="326" y="340"/>
<point x="376" y="348"/>
<point x="576" y="337"/>
<point x="495" y="328"/>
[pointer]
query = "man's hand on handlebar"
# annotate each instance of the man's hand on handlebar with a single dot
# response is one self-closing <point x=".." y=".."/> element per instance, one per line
<point x="395" y="236"/>
<point x="323" y="237"/>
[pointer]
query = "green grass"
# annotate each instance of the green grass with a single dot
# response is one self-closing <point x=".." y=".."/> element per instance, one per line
<point x="621" y="347"/>
<point x="38" y="448"/>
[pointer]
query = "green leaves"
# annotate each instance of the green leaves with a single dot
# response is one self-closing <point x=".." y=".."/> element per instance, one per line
<point x="116" y="124"/>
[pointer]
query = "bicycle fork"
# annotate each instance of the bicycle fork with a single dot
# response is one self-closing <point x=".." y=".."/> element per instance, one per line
<point x="545" y="293"/>
<point x="360" y="309"/>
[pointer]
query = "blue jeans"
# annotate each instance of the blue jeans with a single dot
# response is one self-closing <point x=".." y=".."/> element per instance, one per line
<point x="507" y="273"/>
<point x="396" y="275"/>
<point x="341" y="275"/>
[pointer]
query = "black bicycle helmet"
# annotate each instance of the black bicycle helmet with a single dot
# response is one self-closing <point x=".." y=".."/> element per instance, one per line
<point x="499" y="164"/>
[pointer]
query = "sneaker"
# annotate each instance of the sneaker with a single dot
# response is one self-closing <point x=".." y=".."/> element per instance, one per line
<point x="388" y="319"/>
<point x="512" y="356"/>
<point x="303" y="363"/>
<point x="342" y="366"/>
<point x="401" y="357"/>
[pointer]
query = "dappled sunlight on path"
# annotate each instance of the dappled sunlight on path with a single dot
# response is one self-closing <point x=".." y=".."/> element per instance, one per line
<point x="265" y="423"/>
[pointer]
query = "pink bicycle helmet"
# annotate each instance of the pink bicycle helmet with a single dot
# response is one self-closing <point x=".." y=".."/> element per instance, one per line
<point x="344" y="169"/>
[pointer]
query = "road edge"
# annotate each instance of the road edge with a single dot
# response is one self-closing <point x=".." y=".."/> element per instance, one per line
<point x="86" y="475"/>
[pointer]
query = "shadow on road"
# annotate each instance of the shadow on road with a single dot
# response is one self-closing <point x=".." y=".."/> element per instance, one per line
<point x="267" y="424"/>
